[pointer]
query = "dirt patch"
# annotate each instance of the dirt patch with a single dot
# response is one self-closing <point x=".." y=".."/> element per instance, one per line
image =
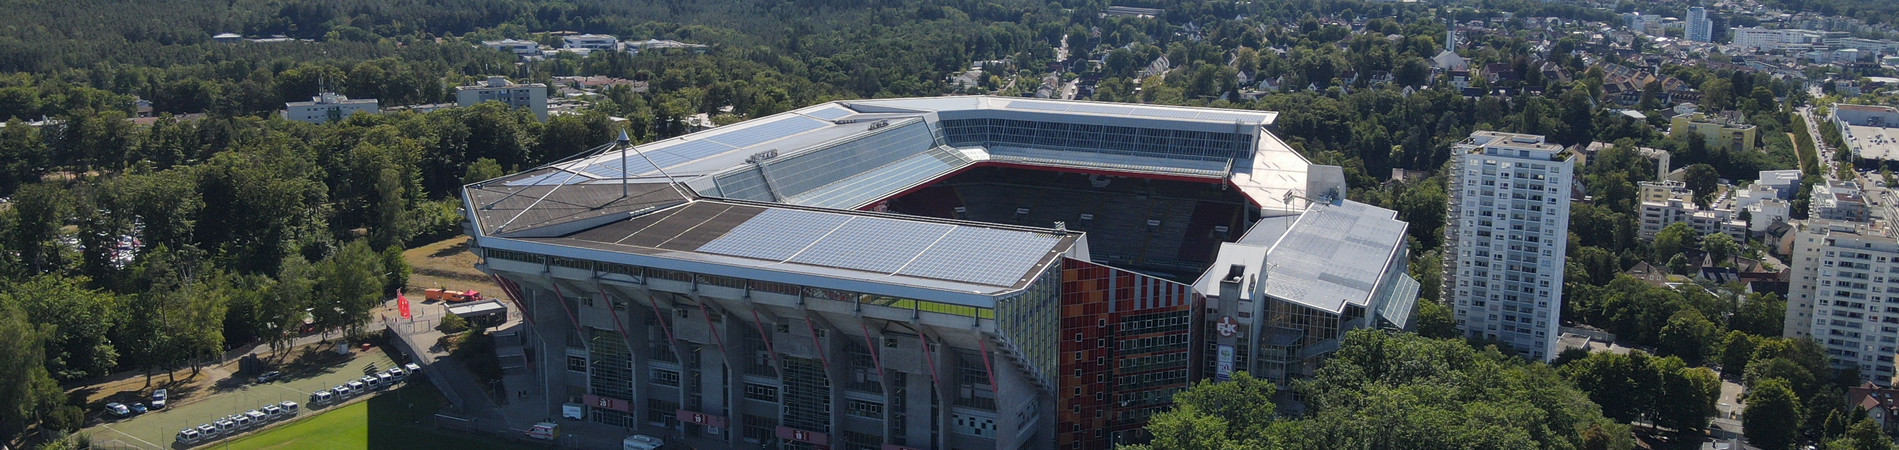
<point x="446" y="264"/>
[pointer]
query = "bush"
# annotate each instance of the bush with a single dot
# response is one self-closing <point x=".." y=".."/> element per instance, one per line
<point x="452" y="324"/>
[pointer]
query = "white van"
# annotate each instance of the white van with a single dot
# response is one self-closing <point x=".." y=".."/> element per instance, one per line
<point x="189" y="436"/>
<point x="642" y="442"/>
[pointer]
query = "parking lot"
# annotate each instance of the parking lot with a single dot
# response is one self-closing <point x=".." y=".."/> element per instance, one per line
<point x="157" y="429"/>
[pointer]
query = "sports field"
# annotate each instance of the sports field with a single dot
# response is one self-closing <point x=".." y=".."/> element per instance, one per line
<point x="393" y="420"/>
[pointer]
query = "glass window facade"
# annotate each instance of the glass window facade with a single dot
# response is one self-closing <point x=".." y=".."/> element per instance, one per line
<point x="1098" y="138"/>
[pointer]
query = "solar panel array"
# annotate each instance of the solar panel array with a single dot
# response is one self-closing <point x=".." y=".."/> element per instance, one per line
<point x="982" y="255"/>
<point x="830" y="113"/>
<point x="883" y="181"/>
<point x="551" y="178"/>
<point x="775" y="234"/>
<point x="873" y="244"/>
<point x="713" y="143"/>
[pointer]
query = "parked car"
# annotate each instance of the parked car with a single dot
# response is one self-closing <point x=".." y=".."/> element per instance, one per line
<point x="258" y="418"/>
<point x="226" y="426"/>
<point x="207" y="430"/>
<point x="273" y="411"/>
<point x="372" y="382"/>
<point x="290" y="407"/>
<point x="158" y="398"/>
<point x="385" y="379"/>
<point x="243" y="422"/>
<point x="139" y="408"/>
<point x="189" y="436"/>
<point x="269" y="377"/>
<point x="118" y="409"/>
<point x="320" y="398"/>
<point x="411" y="368"/>
<point x="357" y="388"/>
<point x="398" y="373"/>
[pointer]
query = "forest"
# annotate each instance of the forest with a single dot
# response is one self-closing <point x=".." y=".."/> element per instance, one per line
<point x="151" y="247"/>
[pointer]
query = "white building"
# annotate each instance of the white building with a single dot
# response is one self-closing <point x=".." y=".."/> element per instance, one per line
<point x="1839" y="200"/>
<point x="530" y="95"/>
<point x="329" y="107"/>
<point x="591" y="42"/>
<point x="1771" y="39"/>
<point x="1763" y="204"/>
<point x="1700" y="28"/>
<point x="1840" y="294"/>
<point x="1667" y="202"/>
<point x="515" y="46"/>
<point x="1509" y="226"/>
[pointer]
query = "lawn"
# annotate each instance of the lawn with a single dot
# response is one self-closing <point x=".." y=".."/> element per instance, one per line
<point x="394" y="420"/>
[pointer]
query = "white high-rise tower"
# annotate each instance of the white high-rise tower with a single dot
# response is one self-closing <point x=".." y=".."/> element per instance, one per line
<point x="1508" y="229"/>
<point x="1700" y="28"/>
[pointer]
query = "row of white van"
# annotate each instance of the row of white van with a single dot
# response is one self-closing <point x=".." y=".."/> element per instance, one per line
<point x="363" y="385"/>
<point x="236" y="423"/>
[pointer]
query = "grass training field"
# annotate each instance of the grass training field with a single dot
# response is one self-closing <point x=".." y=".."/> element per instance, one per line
<point x="394" y="420"/>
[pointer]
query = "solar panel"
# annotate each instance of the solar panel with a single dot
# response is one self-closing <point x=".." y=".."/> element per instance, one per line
<point x="878" y="183"/>
<point x="982" y="255"/>
<point x="831" y="113"/>
<point x="550" y="179"/>
<point x="754" y="135"/>
<point x="873" y="244"/>
<point x="684" y="152"/>
<point x="775" y="234"/>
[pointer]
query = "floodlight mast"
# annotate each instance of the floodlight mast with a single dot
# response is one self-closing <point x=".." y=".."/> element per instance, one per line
<point x="623" y="142"/>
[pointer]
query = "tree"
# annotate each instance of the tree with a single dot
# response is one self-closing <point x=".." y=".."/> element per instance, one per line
<point x="1705" y="181"/>
<point x="1385" y="390"/>
<point x="1687" y="396"/>
<point x="27" y="391"/>
<point x="1673" y="239"/>
<point x="1624" y="385"/>
<point x="1863" y="435"/>
<point x="80" y="317"/>
<point x="1768" y="418"/>
<point x="1720" y="247"/>
<point x="1688" y="335"/>
<point x="348" y="285"/>
<point x="37" y="213"/>
<point x="1213" y="415"/>
<point x="1736" y="348"/>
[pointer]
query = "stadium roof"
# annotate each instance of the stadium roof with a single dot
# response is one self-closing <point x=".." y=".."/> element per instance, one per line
<point x="774" y="198"/>
<point x="743" y="160"/>
<point x="790" y="244"/>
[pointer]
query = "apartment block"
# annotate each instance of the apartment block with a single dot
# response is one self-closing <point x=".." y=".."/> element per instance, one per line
<point x="1508" y="230"/>
<point x="1844" y="294"/>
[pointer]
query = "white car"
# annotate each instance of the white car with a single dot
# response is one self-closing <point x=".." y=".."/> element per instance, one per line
<point x="158" y="398"/>
<point x="290" y="407"/>
<point x="118" y="409"/>
<point x="274" y="412"/>
<point x="257" y="417"/>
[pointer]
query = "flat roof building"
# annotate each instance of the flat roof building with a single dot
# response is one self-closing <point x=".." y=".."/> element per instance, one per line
<point x="1288" y="291"/>
<point x="532" y="96"/>
<point x="329" y="107"/>
<point x="1727" y="130"/>
<point x="754" y="250"/>
<point x="1870" y="132"/>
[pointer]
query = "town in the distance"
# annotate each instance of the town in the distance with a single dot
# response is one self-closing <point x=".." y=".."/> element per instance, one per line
<point x="925" y="224"/>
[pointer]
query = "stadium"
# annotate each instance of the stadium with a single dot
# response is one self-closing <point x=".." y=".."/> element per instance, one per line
<point x="949" y="272"/>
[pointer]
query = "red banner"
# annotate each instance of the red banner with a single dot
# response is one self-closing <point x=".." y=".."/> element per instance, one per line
<point x="402" y="303"/>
